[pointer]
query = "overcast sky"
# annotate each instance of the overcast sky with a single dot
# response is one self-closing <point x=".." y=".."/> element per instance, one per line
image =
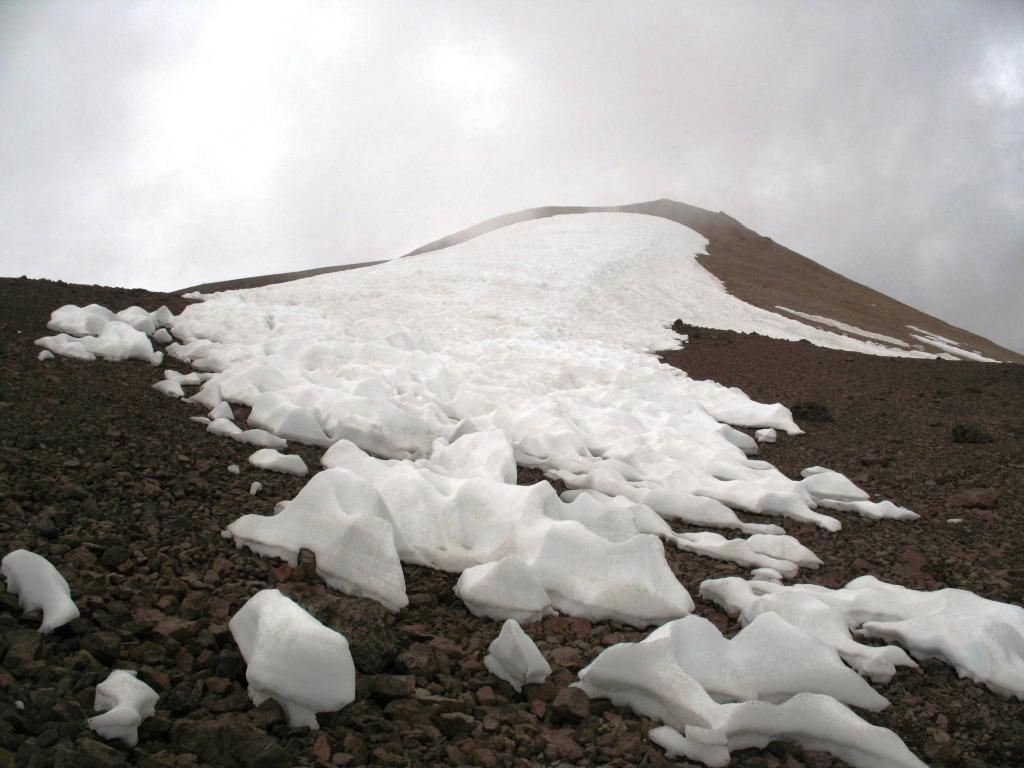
<point x="170" y="143"/>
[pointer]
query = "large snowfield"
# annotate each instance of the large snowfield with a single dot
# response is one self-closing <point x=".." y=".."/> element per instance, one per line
<point x="427" y="380"/>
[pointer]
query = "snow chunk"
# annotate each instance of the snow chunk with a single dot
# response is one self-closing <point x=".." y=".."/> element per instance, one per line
<point x="222" y="410"/>
<point x="139" y="319"/>
<point x="234" y="469"/>
<point x="682" y="672"/>
<point x="737" y="551"/>
<point x="275" y="461"/>
<point x="505" y="589"/>
<point x="224" y="427"/>
<point x="80" y="321"/>
<point x="766" y="574"/>
<point x="286" y="419"/>
<point x="45" y="355"/>
<point x="341" y="519"/>
<point x="255" y="488"/>
<point x="805" y="606"/>
<point x="169" y="387"/>
<point x="190" y="379"/>
<point x="163" y="317"/>
<point x="982" y="639"/>
<point x="163" y="336"/>
<point x="766" y="435"/>
<point x="769" y="660"/>
<point x="824" y="483"/>
<point x="260" y="438"/>
<point x="117" y="341"/>
<point x="125" y="701"/>
<point x="453" y="523"/>
<point x="876" y="510"/>
<point x="293" y="658"/>
<point x="784" y="548"/>
<point x="38" y="585"/>
<point x="812" y="720"/>
<point x="514" y="658"/>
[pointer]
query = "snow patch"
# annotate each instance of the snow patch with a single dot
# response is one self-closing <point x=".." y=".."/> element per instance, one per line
<point x="39" y="586"/>
<point x="293" y="658"/>
<point x="275" y="461"/>
<point x="514" y="658"/>
<point x="125" y="702"/>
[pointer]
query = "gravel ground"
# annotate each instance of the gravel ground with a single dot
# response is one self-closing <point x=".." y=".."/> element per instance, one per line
<point x="111" y="481"/>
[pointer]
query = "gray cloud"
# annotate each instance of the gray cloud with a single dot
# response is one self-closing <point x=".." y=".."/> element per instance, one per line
<point x="162" y="144"/>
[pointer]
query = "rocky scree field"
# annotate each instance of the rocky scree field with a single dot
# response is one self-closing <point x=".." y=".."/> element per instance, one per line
<point x="110" y="480"/>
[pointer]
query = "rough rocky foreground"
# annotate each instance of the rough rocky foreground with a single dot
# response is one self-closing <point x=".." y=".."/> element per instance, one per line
<point x="111" y="481"/>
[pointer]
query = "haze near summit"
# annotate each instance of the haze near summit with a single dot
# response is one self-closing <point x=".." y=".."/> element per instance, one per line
<point x="166" y="144"/>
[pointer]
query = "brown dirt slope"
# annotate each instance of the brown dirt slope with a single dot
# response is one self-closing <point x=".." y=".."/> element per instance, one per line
<point x="127" y="497"/>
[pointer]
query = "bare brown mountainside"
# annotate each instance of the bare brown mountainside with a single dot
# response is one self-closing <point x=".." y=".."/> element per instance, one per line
<point x="754" y="268"/>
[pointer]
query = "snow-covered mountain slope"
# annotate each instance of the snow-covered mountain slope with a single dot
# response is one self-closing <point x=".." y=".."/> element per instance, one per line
<point x="763" y="273"/>
<point x="753" y="268"/>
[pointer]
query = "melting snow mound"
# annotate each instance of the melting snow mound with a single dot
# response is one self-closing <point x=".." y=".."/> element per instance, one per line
<point x="682" y="671"/>
<point x="514" y="658"/>
<point x="272" y="459"/>
<point x="982" y="639"/>
<point x="125" y="702"/>
<point x="293" y="658"/>
<point x="38" y="585"/>
<point x="341" y="519"/>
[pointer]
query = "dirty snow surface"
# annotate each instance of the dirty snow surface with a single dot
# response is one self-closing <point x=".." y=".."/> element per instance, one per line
<point x="429" y="379"/>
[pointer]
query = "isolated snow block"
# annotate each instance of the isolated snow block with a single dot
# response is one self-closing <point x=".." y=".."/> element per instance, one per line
<point x="38" y="585"/>
<point x="275" y="461"/>
<point x="125" y="702"/>
<point x="504" y="589"/>
<point x="514" y="658"/>
<point x="293" y="658"/>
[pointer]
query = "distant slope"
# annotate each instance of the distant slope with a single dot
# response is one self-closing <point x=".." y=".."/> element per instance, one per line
<point x="261" y="280"/>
